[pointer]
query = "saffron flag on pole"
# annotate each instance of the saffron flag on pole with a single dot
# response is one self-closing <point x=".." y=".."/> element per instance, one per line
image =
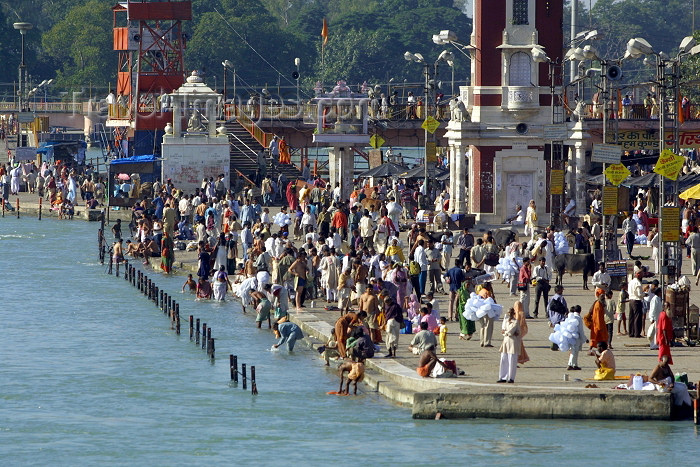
<point x="324" y="31"/>
<point x="679" y="107"/>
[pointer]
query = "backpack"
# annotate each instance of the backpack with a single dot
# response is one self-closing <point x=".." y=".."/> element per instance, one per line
<point x="557" y="307"/>
<point x="413" y="268"/>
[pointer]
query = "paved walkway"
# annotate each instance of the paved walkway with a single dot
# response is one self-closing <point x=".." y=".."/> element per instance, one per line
<point x="546" y="367"/>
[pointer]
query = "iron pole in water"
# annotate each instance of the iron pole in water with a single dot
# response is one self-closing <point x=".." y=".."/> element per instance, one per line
<point x="3" y="206"/>
<point x="160" y="300"/>
<point x="208" y="340"/>
<point x="232" y="371"/>
<point x="197" y="333"/>
<point x="177" y="320"/>
<point x="191" y="327"/>
<point x="204" y="335"/>
<point x="111" y="260"/>
<point x="211" y="349"/>
<point x="170" y="306"/>
<point x="253" y="386"/>
<point x="40" y="205"/>
<point x="243" y="374"/>
<point x="17" y="208"/>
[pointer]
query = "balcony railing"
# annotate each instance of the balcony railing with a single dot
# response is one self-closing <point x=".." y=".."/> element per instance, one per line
<point x="307" y="112"/>
<point x="63" y="107"/>
<point x="637" y="112"/>
<point x="520" y="97"/>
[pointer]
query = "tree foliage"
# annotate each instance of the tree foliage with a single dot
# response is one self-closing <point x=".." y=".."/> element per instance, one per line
<point x="72" y="39"/>
<point x="79" y="44"/>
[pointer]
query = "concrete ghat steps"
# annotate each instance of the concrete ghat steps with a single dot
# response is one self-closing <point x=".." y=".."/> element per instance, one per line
<point x="459" y="398"/>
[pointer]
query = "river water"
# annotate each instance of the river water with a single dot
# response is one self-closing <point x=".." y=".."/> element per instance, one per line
<point x="90" y="373"/>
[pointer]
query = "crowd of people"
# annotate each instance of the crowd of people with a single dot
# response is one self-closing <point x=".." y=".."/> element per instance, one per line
<point x="63" y="185"/>
<point x="350" y="256"/>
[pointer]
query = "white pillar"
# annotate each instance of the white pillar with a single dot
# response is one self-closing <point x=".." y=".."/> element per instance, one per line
<point x="341" y="169"/>
<point x="177" y="119"/>
<point x="211" y="116"/>
<point x="458" y="179"/>
<point x="580" y="183"/>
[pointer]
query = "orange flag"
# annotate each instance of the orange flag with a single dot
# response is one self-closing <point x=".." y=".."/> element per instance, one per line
<point x="324" y="31"/>
<point x="679" y="108"/>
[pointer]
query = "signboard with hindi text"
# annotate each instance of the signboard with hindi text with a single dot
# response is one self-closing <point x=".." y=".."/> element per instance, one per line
<point x="671" y="224"/>
<point x="633" y="140"/>
<point x="610" y="195"/>
<point x="431" y="151"/>
<point x="430" y="124"/>
<point x="555" y="132"/>
<point x="376" y="141"/>
<point x="617" y="268"/>
<point x="669" y="165"/>
<point x="607" y="153"/>
<point x="556" y="182"/>
<point x="616" y="173"/>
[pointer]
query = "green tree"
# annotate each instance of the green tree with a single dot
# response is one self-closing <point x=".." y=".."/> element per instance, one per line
<point x="82" y="44"/>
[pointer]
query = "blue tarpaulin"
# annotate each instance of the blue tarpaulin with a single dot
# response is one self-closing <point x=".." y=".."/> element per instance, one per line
<point x="135" y="159"/>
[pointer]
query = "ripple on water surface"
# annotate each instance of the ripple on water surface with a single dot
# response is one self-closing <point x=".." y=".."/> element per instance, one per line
<point x="92" y="374"/>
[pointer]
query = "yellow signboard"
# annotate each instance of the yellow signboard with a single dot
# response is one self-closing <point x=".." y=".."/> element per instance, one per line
<point x="610" y="194"/>
<point x="671" y="224"/>
<point x="376" y="141"/>
<point x="431" y="151"/>
<point x="556" y="182"/>
<point x="616" y="173"/>
<point x="669" y="165"/>
<point x="430" y="124"/>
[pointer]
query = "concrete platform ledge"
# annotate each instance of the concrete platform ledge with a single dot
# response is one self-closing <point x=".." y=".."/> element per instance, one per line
<point x="514" y="403"/>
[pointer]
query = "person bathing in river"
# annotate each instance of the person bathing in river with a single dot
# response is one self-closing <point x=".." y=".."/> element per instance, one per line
<point x="221" y="284"/>
<point x="204" y="289"/>
<point x="356" y="374"/>
<point x="190" y="283"/>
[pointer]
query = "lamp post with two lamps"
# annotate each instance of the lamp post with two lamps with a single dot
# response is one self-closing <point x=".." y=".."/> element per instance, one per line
<point x="637" y="47"/>
<point x="296" y="75"/>
<point x="22" y="28"/>
<point x="228" y="65"/>
<point x="430" y="83"/>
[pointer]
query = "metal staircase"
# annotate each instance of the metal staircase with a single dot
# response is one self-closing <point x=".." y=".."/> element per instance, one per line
<point x="244" y="150"/>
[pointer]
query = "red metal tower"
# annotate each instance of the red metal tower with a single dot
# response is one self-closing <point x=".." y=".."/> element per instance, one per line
<point x="149" y="40"/>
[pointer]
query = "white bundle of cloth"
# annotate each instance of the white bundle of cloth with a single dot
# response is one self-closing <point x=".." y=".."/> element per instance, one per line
<point x="509" y="267"/>
<point x="282" y="219"/>
<point x="561" y="244"/>
<point x="477" y="307"/>
<point x="565" y="334"/>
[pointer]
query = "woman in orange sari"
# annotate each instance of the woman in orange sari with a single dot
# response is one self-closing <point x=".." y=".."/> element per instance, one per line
<point x="596" y="323"/>
<point x="285" y="157"/>
<point x="520" y="315"/>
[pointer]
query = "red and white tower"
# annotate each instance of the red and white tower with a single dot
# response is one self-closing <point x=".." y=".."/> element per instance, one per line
<point x="509" y="104"/>
<point x="149" y="39"/>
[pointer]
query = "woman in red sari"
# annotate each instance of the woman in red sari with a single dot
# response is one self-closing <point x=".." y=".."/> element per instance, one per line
<point x="167" y="253"/>
<point x="292" y="198"/>
<point x="664" y="333"/>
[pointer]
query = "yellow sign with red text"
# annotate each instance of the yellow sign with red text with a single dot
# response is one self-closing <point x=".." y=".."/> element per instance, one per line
<point x="616" y="173"/>
<point x="430" y="124"/>
<point x="669" y="165"/>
